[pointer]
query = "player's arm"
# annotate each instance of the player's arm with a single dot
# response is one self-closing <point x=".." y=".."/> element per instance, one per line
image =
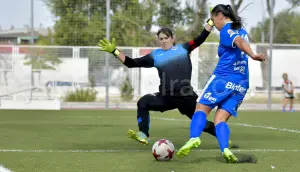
<point x="245" y="47"/>
<point x="196" y="42"/>
<point x="285" y="88"/>
<point x="110" y="47"/>
<point x="145" y="61"/>
<point x="292" y="88"/>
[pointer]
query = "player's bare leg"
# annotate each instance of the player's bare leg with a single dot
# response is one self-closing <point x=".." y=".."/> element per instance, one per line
<point x="291" y="105"/>
<point x="285" y="102"/>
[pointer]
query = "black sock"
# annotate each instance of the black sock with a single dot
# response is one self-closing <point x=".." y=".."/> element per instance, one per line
<point x="143" y="119"/>
<point x="210" y="128"/>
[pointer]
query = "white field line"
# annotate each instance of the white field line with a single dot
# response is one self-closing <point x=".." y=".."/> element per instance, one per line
<point x="3" y="169"/>
<point x="183" y="120"/>
<point x="165" y="119"/>
<point x="137" y="150"/>
<point x="241" y="124"/>
<point x="266" y="127"/>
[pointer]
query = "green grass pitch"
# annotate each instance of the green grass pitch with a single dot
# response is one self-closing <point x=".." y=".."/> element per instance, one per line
<point x="96" y="141"/>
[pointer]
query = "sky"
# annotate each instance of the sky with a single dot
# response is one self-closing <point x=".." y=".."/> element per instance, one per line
<point x="17" y="12"/>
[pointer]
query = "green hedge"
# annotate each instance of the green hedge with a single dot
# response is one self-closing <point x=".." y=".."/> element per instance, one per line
<point x="81" y="95"/>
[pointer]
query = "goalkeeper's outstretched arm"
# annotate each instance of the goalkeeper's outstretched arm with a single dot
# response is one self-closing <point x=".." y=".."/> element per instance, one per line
<point x="145" y="61"/>
<point x="196" y="42"/>
<point x="110" y="47"/>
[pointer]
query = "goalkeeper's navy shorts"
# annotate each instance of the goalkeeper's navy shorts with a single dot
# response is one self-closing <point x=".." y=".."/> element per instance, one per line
<point x="185" y="104"/>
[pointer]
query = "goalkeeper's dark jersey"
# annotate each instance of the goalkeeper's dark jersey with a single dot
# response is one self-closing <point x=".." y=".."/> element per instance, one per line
<point x="174" y="66"/>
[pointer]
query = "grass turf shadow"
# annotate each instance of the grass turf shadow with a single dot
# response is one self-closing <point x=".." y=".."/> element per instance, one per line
<point x="243" y="158"/>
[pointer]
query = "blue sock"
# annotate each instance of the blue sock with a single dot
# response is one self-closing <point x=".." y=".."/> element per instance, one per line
<point x="198" y="124"/>
<point x="223" y="132"/>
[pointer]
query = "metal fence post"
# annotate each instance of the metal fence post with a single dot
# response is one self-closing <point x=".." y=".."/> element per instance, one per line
<point x="107" y="55"/>
<point x="270" y="57"/>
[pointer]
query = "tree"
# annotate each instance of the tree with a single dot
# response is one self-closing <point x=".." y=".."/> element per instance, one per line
<point x="236" y="4"/>
<point x="169" y="13"/>
<point x="196" y="14"/>
<point x="285" y="23"/>
<point x="294" y="3"/>
<point x="74" y="26"/>
<point x="46" y="40"/>
<point x="71" y="29"/>
<point x="130" y="27"/>
<point x="40" y="59"/>
<point x="83" y="23"/>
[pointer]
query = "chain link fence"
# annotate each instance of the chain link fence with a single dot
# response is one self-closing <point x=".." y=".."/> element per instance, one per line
<point x="51" y="72"/>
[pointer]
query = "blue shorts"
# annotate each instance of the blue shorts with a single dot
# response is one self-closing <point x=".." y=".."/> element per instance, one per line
<point x="225" y="94"/>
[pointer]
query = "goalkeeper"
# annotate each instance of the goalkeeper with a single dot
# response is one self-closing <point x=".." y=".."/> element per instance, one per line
<point x="174" y="69"/>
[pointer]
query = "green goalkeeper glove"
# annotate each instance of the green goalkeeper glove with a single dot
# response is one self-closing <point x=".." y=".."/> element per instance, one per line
<point x="210" y="23"/>
<point x="109" y="47"/>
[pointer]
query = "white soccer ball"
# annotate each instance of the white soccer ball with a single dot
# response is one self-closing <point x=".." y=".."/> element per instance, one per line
<point x="163" y="150"/>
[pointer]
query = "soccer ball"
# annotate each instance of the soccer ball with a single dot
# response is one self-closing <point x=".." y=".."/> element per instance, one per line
<point x="163" y="150"/>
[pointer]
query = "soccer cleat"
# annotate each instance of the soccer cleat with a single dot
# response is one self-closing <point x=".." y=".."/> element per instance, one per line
<point x="185" y="150"/>
<point x="138" y="136"/>
<point x="229" y="157"/>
